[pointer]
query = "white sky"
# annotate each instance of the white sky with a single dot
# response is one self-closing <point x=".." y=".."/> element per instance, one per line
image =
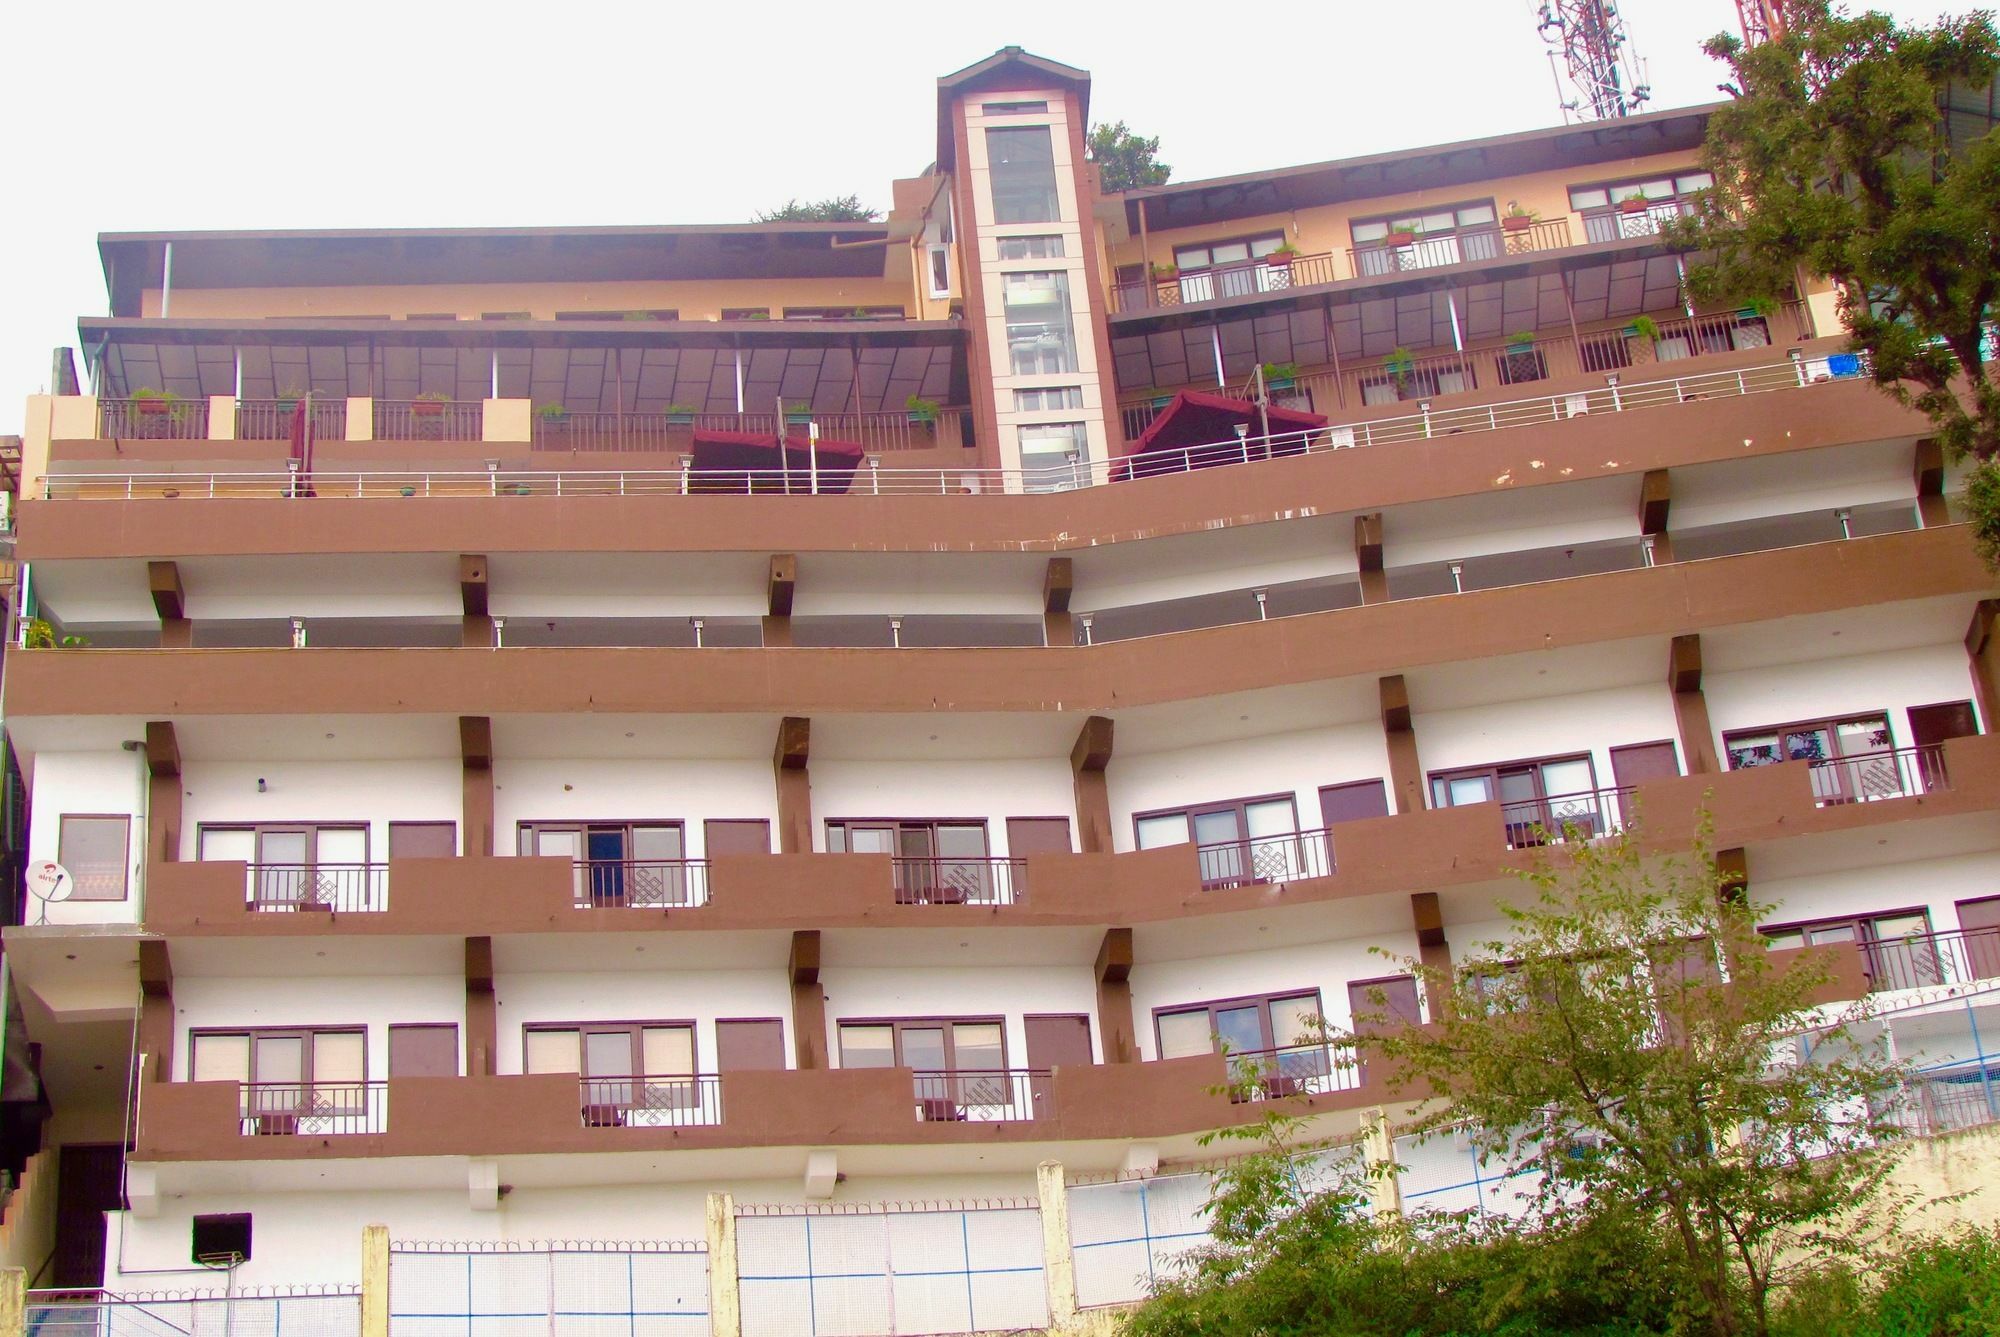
<point x="220" y="114"/>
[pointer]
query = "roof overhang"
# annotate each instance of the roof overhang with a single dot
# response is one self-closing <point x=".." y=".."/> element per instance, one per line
<point x="1008" y="68"/>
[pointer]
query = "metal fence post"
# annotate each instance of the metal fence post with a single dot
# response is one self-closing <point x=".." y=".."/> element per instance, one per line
<point x="374" y="1281"/>
<point x="1378" y="1152"/>
<point x="1058" y="1257"/>
<point x="725" y="1293"/>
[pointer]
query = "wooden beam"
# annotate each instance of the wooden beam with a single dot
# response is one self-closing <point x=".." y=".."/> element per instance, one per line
<point x="169" y="599"/>
<point x="1656" y="499"/>
<point x="156" y="968"/>
<point x="1427" y="916"/>
<point x="1368" y="552"/>
<point x="803" y="963"/>
<point x="482" y="1010"/>
<point x="472" y="583"/>
<point x="163" y="749"/>
<point x="1684" y="664"/>
<point x="1092" y="751"/>
<point x="476" y="796"/>
<point x="794" y="749"/>
<point x="1116" y="1030"/>
<point x="1395" y="694"/>
<point x="1732" y="874"/>
<point x="1697" y="734"/>
<point x="1114" y="956"/>
<point x="809" y="1047"/>
<point x="790" y="773"/>
<point x="1087" y="760"/>
<point x="1399" y="737"/>
<point x="782" y="584"/>
<point x="475" y="741"/>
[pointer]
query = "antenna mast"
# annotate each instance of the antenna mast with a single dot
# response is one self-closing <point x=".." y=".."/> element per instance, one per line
<point x="1598" y="75"/>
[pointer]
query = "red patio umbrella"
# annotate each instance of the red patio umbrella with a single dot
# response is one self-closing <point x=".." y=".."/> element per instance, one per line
<point x="758" y="462"/>
<point x="1198" y="431"/>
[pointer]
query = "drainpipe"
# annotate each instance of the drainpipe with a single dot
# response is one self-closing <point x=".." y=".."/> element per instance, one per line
<point x="166" y="280"/>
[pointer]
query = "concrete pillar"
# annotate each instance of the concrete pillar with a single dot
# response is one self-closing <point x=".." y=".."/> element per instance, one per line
<point x="778" y="593"/>
<point x="1115" y="1026"/>
<point x="472" y="594"/>
<point x="791" y="762"/>
<point x="1982" y="647"/>
<point x="482" y="1010"/>
<point x="1927" y="472"/>
<point x="360" y="418"/>
<point x="170" y="603"/>
<point x="475" y="745"/>
<point x="1697" y="735"/>
<point x="163" y="795"/>
<point x="1058" y="583"/>
<point x="1368" y="552"/>
<point x="1656" y="499"/>
<point x="808" y="1003"/>
<point x="1378" y="1151"/>
<point x="156" y="1010"/>
<point x="1427" y="917"/>
<point x="725" y="1293"/>
<point x="1406" y="771"/>
<point x="1087" y="760"/>
<point x="374" y="1281"/>
<point x="1058" y="1257"/>
<point x="222" y="417"/>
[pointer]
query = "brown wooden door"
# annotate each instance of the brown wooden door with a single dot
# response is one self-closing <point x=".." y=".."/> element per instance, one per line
<point x="1352" y="802"/>
<point x="1638" y="763"/>
<point x="749" y="1045"/>
<point x="423" y="840"/>
<point x="1930" y="727"/>
<point x="752" y="836"/>
<point x="87" y="1186"/>
<point x="423" y="1051"/>
<point x="1037" y="835"/>
<point x="1058" y="1040"/>
<point x="1980" y="924"/>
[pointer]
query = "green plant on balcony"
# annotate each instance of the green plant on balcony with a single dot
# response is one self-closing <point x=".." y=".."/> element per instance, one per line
<point x="159" y="403"/>
<point x="289" y="397"/>
<point x="798" y="417"/>
<point x="922" y="412"/>
<point x="551" y="413"/>
<point x="1164" y="272"/>
<point x="1518" y="218"/>
<point x="1280" y="375"/>
<point x="1400" y="364"/>
<point x="1643" y="327"/>
<point x="1520" y="341"/>
<point x="40" y="634"/>
<point x="1762" y="307"/>
<point x="1403" y="234"/>
<point x="430" y="405"/>
<point x="637" y="315"/>
<point x="679" y="415"/>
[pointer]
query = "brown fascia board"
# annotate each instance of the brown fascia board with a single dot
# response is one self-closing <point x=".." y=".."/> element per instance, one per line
<point x="1190" y="203"/>
<point x="1371" y="639"/>
<point x="1006" y="68"/>
<point x="95" y="331"/>
<point x="135" y="261"/>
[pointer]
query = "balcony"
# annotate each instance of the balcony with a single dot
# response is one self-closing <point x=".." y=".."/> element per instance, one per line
<point x="1274" y="860"/>
<point x="1560" y="818"/>
<point x="959" y="881"/>
<point x="1929" y="960"/>
<point x="656" y="433"/>
<point x="154" y="418"/>
<point x="321" y="1109"/>
<point x="678" y="1100"/>
<point x="641" y="884"/>
<point x="361" y="888"/>
<point x="1870" y="777"/>
<point x="1466" y="247"/>
<point x="999" y="1095"/>
<point x="429" y="420"/>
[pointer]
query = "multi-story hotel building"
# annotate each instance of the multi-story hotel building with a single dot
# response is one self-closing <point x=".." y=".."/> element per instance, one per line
<point x="525" y="729"/>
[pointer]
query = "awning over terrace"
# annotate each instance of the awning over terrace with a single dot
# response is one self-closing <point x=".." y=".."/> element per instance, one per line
<point x="754" y="462"/>
<point x="1198" y="430"/>
<point x="587" y="366"/>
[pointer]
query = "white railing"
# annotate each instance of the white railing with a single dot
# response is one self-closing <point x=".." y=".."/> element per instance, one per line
<point x="1427" y="423"/>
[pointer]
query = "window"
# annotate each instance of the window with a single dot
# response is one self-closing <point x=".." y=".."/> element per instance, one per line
<point x="1031" y="248"/>
<point x="294" y="1079"/>
<point x="746" y="313"/>
<point x="936" y="861"/>
<point x="223" y="1235"/>
<point x="1041" y="338"/>
<point x="959" y="1064"/>
<point x="298" y="865"/>
<point x="1013" y="108"/>
<point x="1230" y="268"/>
<point x="1054" y="455"/>
<point x="938" y="267"/>
<point x="1051" y="397"/>
<point x="617" y="863"/>
<point x="627" y="1070"/>
<point x="652" y="313"/>
<point x="1446" y="236"/>
<point x="1853" y="758"/>
<point x="97" y="853"/>
<point x="1635" y="208"/>
<point x="844" y="313"/>
<point x="1540" y="801"/>
<point x="1897" y="949"/>
<point x="1274" y="1038"/>
<point x="1239" y="842"/>
<point x="1021" y="169"/>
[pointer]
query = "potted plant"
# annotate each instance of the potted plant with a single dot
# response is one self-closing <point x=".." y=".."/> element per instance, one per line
<point x="1399" y="364"/>
<point x="430" y="405"/>
<point x="637" y="315"/>
<point x="1401" y="234"/>
<point x="921" y="412"/>
<point x="552" y="414"/>
<point x="1763" y="308"/>
<point x="1521" y="341"/>
<point x="679" y="415"/>
<point x="155" y="403"/>
<point x="1280" y="375"/>
<point x="41" y="635"/>
<point x="1643" y="327"/>
<point x="1517" y="219"/>
<point x="1634" y="204"/>
<point x="798" y="417"/>
<point x="1165" y="272"/>
<point x="289" y="397"/>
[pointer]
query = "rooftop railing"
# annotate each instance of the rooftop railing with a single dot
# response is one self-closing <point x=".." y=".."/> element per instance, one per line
<point x="429" y="419"/>
<point x="271" y="419"/>
<point x="153" y="419"/>
<point x="1428" y="422"/>
<point x="643" y="433"/>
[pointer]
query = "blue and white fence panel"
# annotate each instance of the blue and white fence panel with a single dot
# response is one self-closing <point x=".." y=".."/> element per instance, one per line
<point x="877" y="1271"/>
<point x="1127" y="1234"/>
<point x="286" y="1313"/>
<point x="1444" y="1171"/>
<point x="558" y="1289"/>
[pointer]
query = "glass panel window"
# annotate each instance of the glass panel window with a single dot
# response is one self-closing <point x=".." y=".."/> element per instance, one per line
<point x="279" y="1058"/>
<point x="221" y="1058"/>
<point x="337" y="1056"/>
<point x="1041" y="337"/>
<point x="1030" y="248"/>
<point x="607" y="1053"/>
<point x="976" y="1046"/>
<point x="923" y="1048"/>
<point x="1185" y="1034"/>
<point x="1167" y="829"/>
<point x="95" y="850"/>
<point x="668" y="1051"/>
<point x="1293" y="1020"/>
<point x="553" y="1051"/>
<point x="1021" y="170"/>
<point x="1053" y="455"/>
<point x="1573" y="776"/>
<point x="1049" y="397"/>
<point x="867" y="1047"/>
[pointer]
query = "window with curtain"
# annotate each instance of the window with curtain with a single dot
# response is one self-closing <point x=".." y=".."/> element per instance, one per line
<point x="97" y="853"/>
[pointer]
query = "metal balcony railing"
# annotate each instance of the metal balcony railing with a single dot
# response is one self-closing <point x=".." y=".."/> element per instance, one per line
<point x="677" y="1100"/>
<point x="343" y="888"/>
<point x="990" y="881"/>
<point x="1290" y="857"/>
<point x="1293" y="1070"/>
<point x="1867" y="777"/>
<point x="1268" y="273"/>
<point x="156" y="419"/>
<point x="1619" y="224"/>
<point x="1924" y="960"/>
<point x="1945" y="1099"/>
<point x="641" y="884"/>
<point x="271" y="419"/>
<point x="996" y="1095"/>
<point x="641" y="433"/>
<point x="314" y="1109"/>
<point x="1562" y="817"/>
<point x="429" y="419"/>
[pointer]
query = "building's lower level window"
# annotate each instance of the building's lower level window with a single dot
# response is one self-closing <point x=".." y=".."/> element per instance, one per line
<point x="928" y="1044"/>
<point x="1055" y="456"/>
<point x="97" y="853"/>
<point x="1241" y="1025"/>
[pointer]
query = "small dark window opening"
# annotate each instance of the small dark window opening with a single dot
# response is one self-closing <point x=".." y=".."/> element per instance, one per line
<point x="1013" y="108"/>
<point x="223" y="1236"/>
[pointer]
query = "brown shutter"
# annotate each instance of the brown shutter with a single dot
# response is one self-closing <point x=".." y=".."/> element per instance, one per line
<point x="423" y="840"/>
<point x="1058" y="1041"/>
<point x="1640" y="762"/>
<point x="1037" y="835"/>
<point x="749" y="1045"/>
<point x="423" y="1051"/>
<point x="1352" y="802"/>
<point x="736" y="837"/>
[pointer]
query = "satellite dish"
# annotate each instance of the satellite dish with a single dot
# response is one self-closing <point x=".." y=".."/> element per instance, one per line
<point x="49" y="881"/>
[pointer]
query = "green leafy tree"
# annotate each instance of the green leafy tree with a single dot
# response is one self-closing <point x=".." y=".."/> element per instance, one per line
<point x="1833" y="157"/>
<point x="1632" y="1040"/>
<point x="834" y="209"/>
<point x="1124" y="159"/>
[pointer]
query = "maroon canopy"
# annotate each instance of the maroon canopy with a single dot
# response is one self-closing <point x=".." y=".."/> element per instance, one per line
<point x="755" y="462"/>
<point x="1198" y="430"/>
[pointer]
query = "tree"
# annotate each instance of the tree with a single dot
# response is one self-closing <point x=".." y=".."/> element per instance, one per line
<point x="1833" y="157"/>
<point x="1126" y="160"/>
<point x="834" y="209"/>
<point x="1633" y="1040"/>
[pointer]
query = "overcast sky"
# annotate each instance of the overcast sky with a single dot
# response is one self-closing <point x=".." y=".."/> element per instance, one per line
<point x="204" y="114"/>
